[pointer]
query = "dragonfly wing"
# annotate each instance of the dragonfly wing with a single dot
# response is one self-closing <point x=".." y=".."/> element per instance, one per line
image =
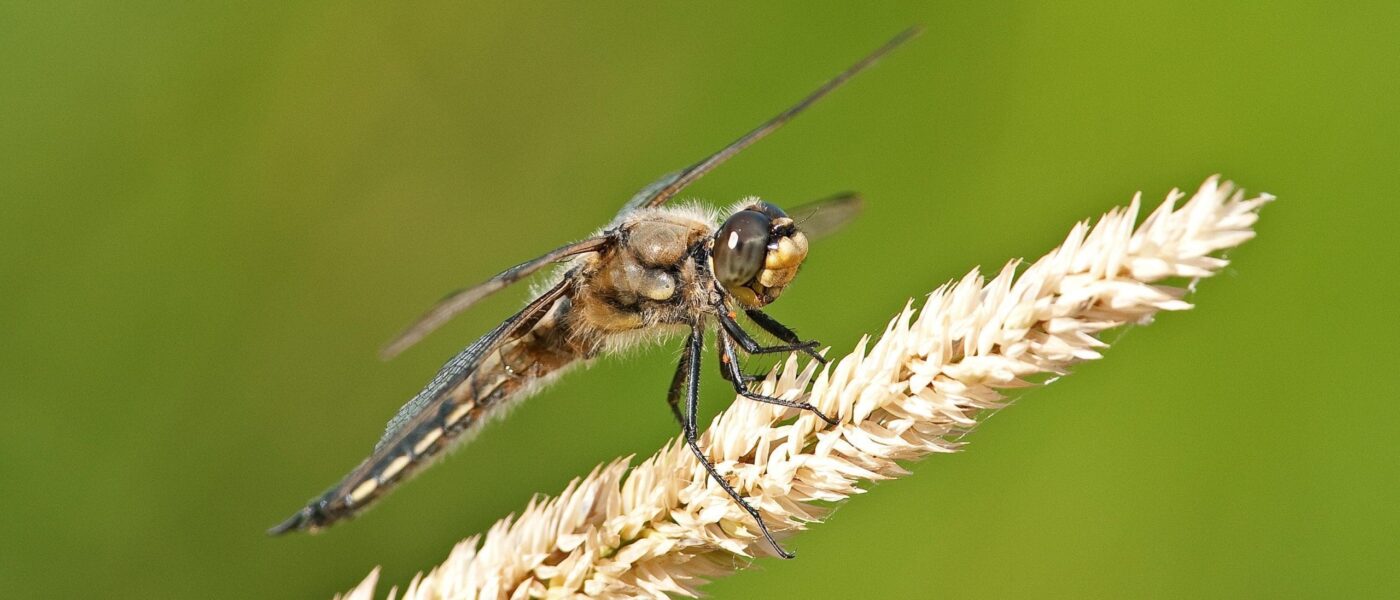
<point x="438" y="391"/>
<point x="644" y="196"/>
<point x="665" y="188"/>
<point x="437" y="416"/>
<point x="460" y="300"/>
<point x="824" y="217"/>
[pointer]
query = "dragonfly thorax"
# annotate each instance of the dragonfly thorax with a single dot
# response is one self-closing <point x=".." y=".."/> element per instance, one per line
<point x="649" y="278"/>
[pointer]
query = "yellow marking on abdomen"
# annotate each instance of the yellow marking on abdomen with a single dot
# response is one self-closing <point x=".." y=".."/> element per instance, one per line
<point x="427" y="441"/>
<point x="394" y="467"/>
<point x="362" y="491"/>
<point x="461" y="411"/>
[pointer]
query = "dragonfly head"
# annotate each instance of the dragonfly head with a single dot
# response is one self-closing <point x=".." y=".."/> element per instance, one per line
<point x="756" y="253"/>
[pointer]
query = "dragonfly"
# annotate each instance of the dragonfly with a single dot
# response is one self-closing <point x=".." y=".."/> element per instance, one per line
<point x="654" y="270"/>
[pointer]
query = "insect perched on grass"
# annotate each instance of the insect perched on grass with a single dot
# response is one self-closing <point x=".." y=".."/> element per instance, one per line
<point x="652" y="270"/>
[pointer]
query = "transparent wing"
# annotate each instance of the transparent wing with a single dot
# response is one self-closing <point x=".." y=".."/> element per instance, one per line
<point x="435" y="399"/>
<point x="644" y="196"/>
<point x="461" y="300"/>
<point x="457" y="369"/>
<point x="665" y="188"/>
<point x="821" y="218"/>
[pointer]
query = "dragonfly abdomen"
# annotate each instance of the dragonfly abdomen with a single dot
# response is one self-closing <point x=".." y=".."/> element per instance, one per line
<point x="503" y="377"/>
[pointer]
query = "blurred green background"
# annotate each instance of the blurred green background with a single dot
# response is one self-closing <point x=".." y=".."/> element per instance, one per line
<point x="214" y="213"/>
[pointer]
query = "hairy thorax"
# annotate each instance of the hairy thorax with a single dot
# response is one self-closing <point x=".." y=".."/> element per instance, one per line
<point x="648" y="279"/>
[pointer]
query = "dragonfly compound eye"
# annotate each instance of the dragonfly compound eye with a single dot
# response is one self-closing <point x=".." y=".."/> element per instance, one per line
<point x="740" y="248"/>
<point x="772" y="211"/>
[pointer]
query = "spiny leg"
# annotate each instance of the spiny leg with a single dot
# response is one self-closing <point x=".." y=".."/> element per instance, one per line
<point x="725" y="372"/>
<point x="729" y="363"/>
<point x="752" y="346"/>
<point x="695" y="344"/>
<point x="673" y="396"/>
<point x="728" y="374"/>
<point x="726" y="359"/>
<point x="780" y="331"/>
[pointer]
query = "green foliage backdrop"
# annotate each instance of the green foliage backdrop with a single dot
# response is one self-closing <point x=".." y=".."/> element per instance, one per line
<point x="213" y="213"/>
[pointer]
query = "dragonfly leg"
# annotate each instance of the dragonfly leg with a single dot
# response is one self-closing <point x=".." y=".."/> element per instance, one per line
<point x="695" y="345"/>
<point x="780" y="331"/>
<point x="673" y="396"/>
<point x="729" y="363"/>
<point x="752" y="346"/>
<point x="725" y="371"/>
